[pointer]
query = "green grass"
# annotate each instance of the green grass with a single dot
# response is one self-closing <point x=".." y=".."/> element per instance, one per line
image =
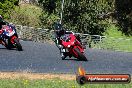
<point x="115" y="40"/>
<point x="114" y="44"/>
<point x="112" y="31"/>
<point x="54" y="83"/>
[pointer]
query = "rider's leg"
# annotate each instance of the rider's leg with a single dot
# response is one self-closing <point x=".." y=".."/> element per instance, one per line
<point x="1" y="34"/>
<point x="63" y="55"/>
<point x="63" y="52"/>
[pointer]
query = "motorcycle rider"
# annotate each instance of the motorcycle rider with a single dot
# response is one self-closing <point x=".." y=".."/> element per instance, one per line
<point x="59" y="31"/>
<point x="2" y="22"/>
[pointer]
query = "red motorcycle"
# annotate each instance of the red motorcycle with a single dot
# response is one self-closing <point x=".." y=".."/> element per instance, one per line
<point x="10" y="38"/>
<point x="72" y="47"/>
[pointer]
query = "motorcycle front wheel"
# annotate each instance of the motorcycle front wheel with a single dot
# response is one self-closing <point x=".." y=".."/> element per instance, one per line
<point x="18" y="45"/>
<point x="4" y="43"/>
<point x="80" y="55"/>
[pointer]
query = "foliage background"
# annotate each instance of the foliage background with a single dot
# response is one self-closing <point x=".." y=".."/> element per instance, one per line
<point x="92" y="16"/>
<point x="85" y="16"/>
<point x="6" y="6"/>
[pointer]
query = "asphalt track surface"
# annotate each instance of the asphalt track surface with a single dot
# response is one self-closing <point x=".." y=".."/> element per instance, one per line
<point x="45" y="58"/>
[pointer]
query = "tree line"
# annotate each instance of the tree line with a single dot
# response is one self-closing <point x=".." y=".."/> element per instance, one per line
<point x="85" y="16"/>
<point x="6" y="6"/>
<point x="91" y="16"/>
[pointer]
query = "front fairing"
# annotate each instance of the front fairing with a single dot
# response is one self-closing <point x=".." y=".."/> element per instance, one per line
<point x="8" y="31"/>
<point x="68" y="40"/>
<point x="9" y="34"/>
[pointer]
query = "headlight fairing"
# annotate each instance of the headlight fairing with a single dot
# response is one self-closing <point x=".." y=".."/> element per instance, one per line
<point x="69" y="46"/>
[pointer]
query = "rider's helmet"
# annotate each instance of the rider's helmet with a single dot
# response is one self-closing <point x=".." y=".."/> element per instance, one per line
<point x="57" y="24"/>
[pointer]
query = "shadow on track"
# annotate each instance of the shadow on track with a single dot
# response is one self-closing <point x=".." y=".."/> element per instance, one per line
<point x="68" y="59"/>
<point x="2" y="48"/>
<point x="7" y="49"/>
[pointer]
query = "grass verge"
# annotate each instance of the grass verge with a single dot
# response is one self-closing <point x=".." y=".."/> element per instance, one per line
<point x="114" y="44"/>
<point x="33" y="80"/>
<point x="54" y="83"/>
<point x="115" y="40"/>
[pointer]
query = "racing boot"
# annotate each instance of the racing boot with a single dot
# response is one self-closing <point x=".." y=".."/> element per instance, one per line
<point x="63" y="56"/>
<point x="63" y="53"/>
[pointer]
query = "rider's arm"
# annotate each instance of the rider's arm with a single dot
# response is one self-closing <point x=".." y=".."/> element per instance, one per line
<point x="69" y="32"/>
<point x="4" y="22"/>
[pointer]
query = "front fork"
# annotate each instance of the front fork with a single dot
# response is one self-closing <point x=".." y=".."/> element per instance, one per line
<point x="3" y="43"/>
<point x="12" y="39"/>
<point x="74" y="52"/>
